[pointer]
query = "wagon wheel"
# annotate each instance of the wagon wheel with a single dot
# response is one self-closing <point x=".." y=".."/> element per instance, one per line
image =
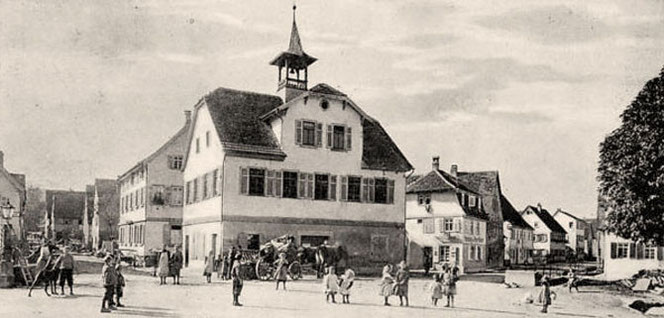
<point x="295" y="270"/>
<point x="264" y="270"/>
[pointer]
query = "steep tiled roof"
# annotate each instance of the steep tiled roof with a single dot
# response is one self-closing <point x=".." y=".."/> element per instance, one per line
<point x="441" y="181"/>
<point x="412" y="178"/>
<point x="569" y="214"/>
<point x="510" y="214"/>
<point x="323" y="88"/>
<point x="487" y="184"/>
<point x="68" y="204"/>
<point x="548" y="220"/>
<point x="379" y="152"/>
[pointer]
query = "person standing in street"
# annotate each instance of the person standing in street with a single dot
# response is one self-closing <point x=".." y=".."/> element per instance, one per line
<point x="176" y="265"/>
<point x="572" y="280"/>
<point x="120" y="284"/>
<point x="109" y="280"/>
<point x="449" y="286"/>
<point x="237" y="280"/>
<point x="209" y="267"/>
<point x="545" y="294"/>
<point x="387" y="284"/>
<point x="67" y="266"/>
<point x="401" y="283"/>
<point x="163" y="267"/>
<point x="281" y="274"/>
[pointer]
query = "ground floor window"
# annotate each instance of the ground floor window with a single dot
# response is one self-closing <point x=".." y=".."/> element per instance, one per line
<point x="650" y="252"/>
<point x="619" y="250"/>
<point x="444" y="253"/>
<point x="313" y="240"/>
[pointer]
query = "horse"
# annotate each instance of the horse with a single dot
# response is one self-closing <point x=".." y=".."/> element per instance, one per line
<point x="327" y="256"/>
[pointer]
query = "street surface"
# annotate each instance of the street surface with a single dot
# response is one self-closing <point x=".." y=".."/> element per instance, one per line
<point x="145" y="298"/>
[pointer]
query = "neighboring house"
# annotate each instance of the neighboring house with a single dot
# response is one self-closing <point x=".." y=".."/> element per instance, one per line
<point x="550" y="237"/>
<point x="487" y="184"/>
<point x="576" y="232"/>
<point x="519" y="235"/>
<point x="592" y="239"/>
<point x="64" y="214"/>
<point x="106" y="212"/>
<point x="150" y="197"/>
<point x="12" y="194"/>
<point x="313" y="165"/>
<point x="445" y="222"/>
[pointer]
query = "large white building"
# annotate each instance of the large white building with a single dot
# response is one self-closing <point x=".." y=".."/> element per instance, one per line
<point x="151" y="197"/>
<point x="310" y="163"/>
<point x="576" y="232"/>
<point x="550" y="239"/>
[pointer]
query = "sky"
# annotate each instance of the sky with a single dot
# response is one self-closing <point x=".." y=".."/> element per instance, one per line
<point x="529" y="88"/>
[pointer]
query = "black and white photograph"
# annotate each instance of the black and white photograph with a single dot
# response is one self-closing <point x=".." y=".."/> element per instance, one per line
<point x="312" y="158"/>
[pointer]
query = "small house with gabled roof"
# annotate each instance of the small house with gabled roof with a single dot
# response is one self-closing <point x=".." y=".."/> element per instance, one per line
<point x="550" y="237"/>
<point x="518" y="235"/>
<point x="445" y="222"/>
<point x="576" y="232"/>
<point x="309" y="163"/>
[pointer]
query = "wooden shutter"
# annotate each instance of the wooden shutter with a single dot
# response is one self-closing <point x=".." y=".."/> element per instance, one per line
<point x="390" y="191"/>
<point x="332" y="188"/>
<point x="269" y="184"/>
<point x="456" y="225"/>
<point x="310" y="185"/>
<point x="632" y="250"/>
<point x="640" y="251"/>
<point x="244" y="181"/>
<point x="365" y="190"/>
<point x="278" y="183"/>
<point x="298" y="132"/>
<point x="344" y="188"/>
<point x="302" y="185"/>
<point x="372" y="189"/>
<point x="614" y="250"/>
<point x="330" y="134"/>
<point x="348" y="138"/>
<point x="319" y="134"/>
<point x="660" y="253"/>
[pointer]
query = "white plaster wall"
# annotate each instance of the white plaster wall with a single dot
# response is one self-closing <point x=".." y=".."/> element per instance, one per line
<point x="443" y="204"/>
<point x="564" y="220"/>
<point x="620" y="268"/>
<point x="126" y="187"/>
<point x="7" y="190"/>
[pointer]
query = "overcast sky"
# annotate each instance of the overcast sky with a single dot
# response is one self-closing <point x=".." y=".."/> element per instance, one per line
<point x="529" y="88"/>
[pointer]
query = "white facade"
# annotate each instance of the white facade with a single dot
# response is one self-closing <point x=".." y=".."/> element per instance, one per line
<point x="444" y="228"/>
<point x="220" y="212"/>
<point x="12" y="192"/>
<point x="519" y="243"/>
<point x="623" y="258"/>
<point x="546" y="243"/>
<point x="576" y="231"/>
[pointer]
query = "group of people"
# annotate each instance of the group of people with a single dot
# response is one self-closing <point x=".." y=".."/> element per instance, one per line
<point x="52" y="268"/>
<point x="444" y="285"/>
<point x="113" y="282"/>
<point x="334" y="284"/>
<point x="170" y="265"/>
<point x="395" y="284"/>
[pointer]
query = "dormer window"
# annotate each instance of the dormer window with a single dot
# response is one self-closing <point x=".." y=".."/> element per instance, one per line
<point x="473" y="201"/>
<point x="424" y="199"/>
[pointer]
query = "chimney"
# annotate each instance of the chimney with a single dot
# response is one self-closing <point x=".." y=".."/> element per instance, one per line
<point x="187" y="116"/>
<point x="435" y="163"/>
<point x="2" y="159"/>
<point x="539" y="207"/>
<point x="454" y="169"/>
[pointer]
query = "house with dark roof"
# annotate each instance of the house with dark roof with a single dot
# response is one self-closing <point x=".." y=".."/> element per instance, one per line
<point x="150" y="198"/>
<point x="518" y="235"/>
<point x="446" y="222"/>
<point x="576" y="232"/>
<point x="550" y="237"/>
<point x="64" y="214"/>
<point x="307" y="162"/>
<point x="12" y="195"/>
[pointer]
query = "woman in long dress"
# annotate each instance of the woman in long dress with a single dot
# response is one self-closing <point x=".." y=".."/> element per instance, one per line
<point x="387" y="284"/>
<point x="163" y="266"/>
<point x="209" y="267"/>
<point x="176" y="265"/>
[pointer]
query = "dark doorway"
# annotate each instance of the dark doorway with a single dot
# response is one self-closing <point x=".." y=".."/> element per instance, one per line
<point x="186" y="251"/>
<point x="427" y="259"/>
<point x="253" y="242"/>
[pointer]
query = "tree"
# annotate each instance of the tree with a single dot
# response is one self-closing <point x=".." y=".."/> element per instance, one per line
<point x="631" y="168"/>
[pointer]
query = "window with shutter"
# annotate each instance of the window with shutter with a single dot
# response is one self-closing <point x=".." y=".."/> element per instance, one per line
<point x="290" y="188"/>
<point x="310" y="186"/>
<point x="329" y="136"/>
<point x="277" y="183"/>
<point x="390" y="191"/>
<point x="244" y="182"/>
<point x="269" y="190"/>
<point x="298" y="132"/>
<point x="333" y="188"/>
<point x="319" y="134"/>
<point x="302" y="185"/>
<point x="257" y="182"/>
<point x="344" y="187"/>
<point x="348" y="138"/>
<point x="365" y="190"/>
<point x="322" y="187"/>
<point x="308" y="133"/>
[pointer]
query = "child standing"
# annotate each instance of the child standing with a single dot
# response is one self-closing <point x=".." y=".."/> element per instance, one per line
<point x="386" y="284"/>
<point x="346" y="283"/>
<point x="449" y="284"/>
<point x="401" y="283"/>
<point x="436" y="290"/>
<point x="67" y="265"/>
<point x="237" y="279"/>
<point x="281" y="273"/>
<point x="119" y="287"/>
<point x="572" y="280"/>
<point x="108" y="280"/>
<point x="331" y="284"/>
<point x="545" y="294"/>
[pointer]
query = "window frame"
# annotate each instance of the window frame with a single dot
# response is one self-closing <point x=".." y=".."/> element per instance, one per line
<point x="326" y="196"/>
<point x="304" y="134"/>
<point x="264" y="186"/>
<point x="283" y="183"/>
<point x="359" y="189"/>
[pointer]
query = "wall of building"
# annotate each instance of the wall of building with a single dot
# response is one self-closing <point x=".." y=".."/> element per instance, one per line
<point x="160" y="173"/>
<point x="15" y="198"/>
<point x="619" y="268"/>
<point x="519" y="244"/>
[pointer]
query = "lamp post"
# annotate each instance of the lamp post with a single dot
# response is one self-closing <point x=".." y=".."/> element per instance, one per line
<point x="6" y="265"/>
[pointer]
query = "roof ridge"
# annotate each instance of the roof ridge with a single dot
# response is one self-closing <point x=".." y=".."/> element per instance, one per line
<point x="235" y="90"/>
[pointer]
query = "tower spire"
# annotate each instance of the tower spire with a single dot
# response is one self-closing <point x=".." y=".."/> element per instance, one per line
<point x="295" y="45"/>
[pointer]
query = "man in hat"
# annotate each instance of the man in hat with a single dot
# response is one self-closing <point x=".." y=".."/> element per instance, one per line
<point x="109" y="280"/>
<point x="237" y="280"/>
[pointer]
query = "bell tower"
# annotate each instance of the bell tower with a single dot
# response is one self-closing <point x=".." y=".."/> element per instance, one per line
<point x="293" y="64"/>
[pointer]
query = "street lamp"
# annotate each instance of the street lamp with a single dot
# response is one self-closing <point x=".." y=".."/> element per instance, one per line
<point x="7" y="211"/>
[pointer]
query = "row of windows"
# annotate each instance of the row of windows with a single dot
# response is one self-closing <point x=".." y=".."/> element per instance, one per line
<point x="135" y="177"/>
<point x="203" y="187"/>
<point x="521" y="234"/>
<point x="132" y="234"/>
<point x="160" y="195"/>
<point x="464" y="199"/>
<point x="309" y="133"/>
<point x="474" y="252"/>
<point x="634" y="251"/>
<point x="471" y="227"/>
<point x="315" y="186"/>
<point x="207" y="142"/>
